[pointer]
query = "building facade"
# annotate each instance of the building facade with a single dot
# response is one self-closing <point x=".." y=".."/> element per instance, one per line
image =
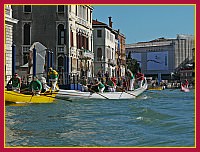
<point x="66" y="30"/>
<point x="109" y="49"/>
<point x="120" y="55"/>
<point x="9" y="23"/>
<point x="162" y="57"/>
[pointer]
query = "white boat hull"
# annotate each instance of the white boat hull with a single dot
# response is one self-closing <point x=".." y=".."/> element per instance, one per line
<point x="74" y="94"/>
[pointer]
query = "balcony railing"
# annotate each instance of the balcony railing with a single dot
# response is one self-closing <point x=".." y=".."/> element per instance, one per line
<point x="111" y="61"/>
<point x="82" y="22"/>
<point x="73" y="51"/>
<point x="25" y="48"/>
<point x="86" y="54"/>
<point x="60" y="49"/>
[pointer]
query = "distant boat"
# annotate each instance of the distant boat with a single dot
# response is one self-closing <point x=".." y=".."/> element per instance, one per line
<point x="157" y="88"/>
<point x="184" y="89"/>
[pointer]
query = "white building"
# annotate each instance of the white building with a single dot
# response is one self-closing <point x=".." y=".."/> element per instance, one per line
<point x="9" y="23"/>
<point x="161" y="57"/>
<point x="104" y="48"/>
<point x="81" y="39"/>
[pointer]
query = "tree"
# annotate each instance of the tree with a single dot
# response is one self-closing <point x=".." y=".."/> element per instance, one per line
<point x="132" y="64"/>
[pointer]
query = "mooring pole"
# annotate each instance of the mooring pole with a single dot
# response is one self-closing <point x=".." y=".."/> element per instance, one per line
<point x="13" y="58"/>
<point x="34" y="61"/>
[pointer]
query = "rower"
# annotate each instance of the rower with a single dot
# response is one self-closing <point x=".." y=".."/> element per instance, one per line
<point x="140" y="79"/>
<point x="100" y="85"/>
<point x="35" y="86"/>
<point x="84" y="84"/>
<point x="111" y="85"/>
<point x="131" y="79"/>
<point x="53" y="75"/>
<point x="16" y="83"/>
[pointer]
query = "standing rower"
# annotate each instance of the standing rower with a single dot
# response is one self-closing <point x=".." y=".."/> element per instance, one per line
<point x="53" y="75"/>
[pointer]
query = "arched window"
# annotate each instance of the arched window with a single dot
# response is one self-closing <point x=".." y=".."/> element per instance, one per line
<point x="27" y="34"/>
<point x="99" y="54"/>
<point x="61" y="34"/>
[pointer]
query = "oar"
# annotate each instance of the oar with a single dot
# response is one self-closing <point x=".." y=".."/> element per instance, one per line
<point x="31" y="97"/>
<point x="98" y="93"/>
<point x="123" y="90"/>
<point x="57" y="97"/>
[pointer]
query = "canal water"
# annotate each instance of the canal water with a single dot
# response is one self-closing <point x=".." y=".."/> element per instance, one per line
<point x="156" y="118"/>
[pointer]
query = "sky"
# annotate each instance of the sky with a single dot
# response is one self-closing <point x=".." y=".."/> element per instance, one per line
<point x="141" y="23"/>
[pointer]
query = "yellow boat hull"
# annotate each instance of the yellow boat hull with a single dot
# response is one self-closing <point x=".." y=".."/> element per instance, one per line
<point x="11" y="96"/>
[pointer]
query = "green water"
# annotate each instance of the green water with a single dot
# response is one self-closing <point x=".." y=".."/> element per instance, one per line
<point x="156" y="118"/>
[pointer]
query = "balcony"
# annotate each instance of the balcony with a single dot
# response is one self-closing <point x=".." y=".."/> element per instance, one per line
<point x="73" y="51"/>
<point x="25" y="48"/>
<point x="82" y="22"/>
<point x="111" y="62"/>
<point x="86" y="54"/>
<point x="60" y="49"/>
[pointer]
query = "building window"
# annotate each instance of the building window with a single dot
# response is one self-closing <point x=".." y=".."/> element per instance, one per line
<point x="77" y="65"/>
<point x="76" y="10"/>
<point x="77" y="40"/>
<point x="61" y="8"/>
<point x="61" y="34"/>
<point x="99" y="54"/>
<point x="88" y="65"/>
<point x="99" y="33"/>
<point x="111" y="37"/>
<point x="108" y="35"/>
<point x="71" y="38"/>
<point x="108" y="50"/>
<point x="60" y="63"/>
<point x="27" y="34"/>
<point x="70" y="8"/>
<point x="87" y="13"/>
<point x="71" y="64"/>
<point x="87" y="43"/>
<point x="25" y="57"/>
<point x="83" y="41"/>
<point x="90" y="16"/>
<point x="82" y="12"/>
<point x="27" y="9"/>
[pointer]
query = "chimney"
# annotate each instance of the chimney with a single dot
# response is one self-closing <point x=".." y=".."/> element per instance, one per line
<point x="118" y="31"/>
<point x="110" y="21"/>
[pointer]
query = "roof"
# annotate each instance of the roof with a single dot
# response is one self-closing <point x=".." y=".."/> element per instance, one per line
<point x="95" y="22"/>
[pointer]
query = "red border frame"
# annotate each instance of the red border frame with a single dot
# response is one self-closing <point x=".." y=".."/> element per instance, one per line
<point x="94" y="2"/>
